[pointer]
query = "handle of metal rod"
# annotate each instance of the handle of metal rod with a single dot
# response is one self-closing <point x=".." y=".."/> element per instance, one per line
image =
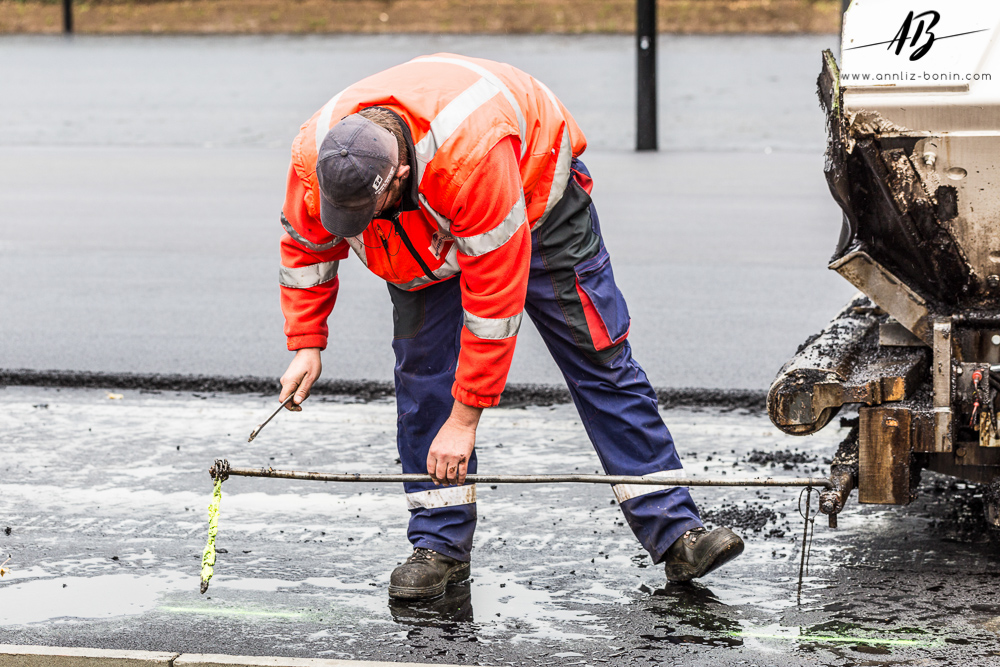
<point x="819" y="482"/>
<point x="256" y="431"/>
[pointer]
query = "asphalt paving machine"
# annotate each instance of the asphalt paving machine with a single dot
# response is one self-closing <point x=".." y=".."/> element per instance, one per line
<point x="913" y="120"/>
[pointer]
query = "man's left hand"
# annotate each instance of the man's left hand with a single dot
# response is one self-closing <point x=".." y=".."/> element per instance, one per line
<point x="448" y="458"/>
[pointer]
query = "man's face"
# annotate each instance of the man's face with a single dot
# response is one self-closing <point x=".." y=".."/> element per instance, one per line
<point x="394" y="193"/>
<point x="391" y="197"/>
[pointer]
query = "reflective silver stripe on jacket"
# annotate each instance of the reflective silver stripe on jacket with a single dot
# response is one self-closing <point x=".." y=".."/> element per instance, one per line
<point x="323" y="122"/>
<point x="444" y="224"/>
<point x="357" y="244"/>
<point x="625" y="492"/>
<point x="490" y="328"/>
<point x="301" y="240"/>
<point x="560" y="179"/>
<point x="495" y="80"/>
<point x="480" y="244"/>
<point x="564" y="161"/>
<point x="449" y="268"/>
<point x="454" y="114"/>
<point x="446" y="497"/>
<point x="450" y="118"/>
<point x="308" y="276"/>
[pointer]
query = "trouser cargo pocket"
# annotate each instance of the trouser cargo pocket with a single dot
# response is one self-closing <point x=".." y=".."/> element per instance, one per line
<point x="604" y="306"/>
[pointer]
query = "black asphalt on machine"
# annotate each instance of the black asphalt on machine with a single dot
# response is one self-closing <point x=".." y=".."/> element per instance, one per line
<point x="912" y="161"/>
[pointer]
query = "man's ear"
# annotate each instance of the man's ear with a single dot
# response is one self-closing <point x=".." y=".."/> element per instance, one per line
<point x="404" y="171"/>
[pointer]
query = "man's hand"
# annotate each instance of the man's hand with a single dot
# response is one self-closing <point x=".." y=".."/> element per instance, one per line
<point x="304" y="370"/>
<point x="448" y="458"/>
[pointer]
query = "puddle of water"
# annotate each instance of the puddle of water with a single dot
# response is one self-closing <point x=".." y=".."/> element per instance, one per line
<point x="103" y="596"/>
<point x="494" y="604"/>
<point x="511" y="606"/>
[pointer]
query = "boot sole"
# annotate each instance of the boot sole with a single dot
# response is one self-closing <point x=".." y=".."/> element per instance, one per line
<point x="723" y="552"/>
<point x="458" y="573"/>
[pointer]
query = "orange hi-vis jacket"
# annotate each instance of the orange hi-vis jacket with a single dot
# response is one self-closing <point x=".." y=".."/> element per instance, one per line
<point x="491" y="150"/>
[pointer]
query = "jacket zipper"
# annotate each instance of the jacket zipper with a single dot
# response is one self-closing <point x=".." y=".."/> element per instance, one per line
<point x="413" y="251"/>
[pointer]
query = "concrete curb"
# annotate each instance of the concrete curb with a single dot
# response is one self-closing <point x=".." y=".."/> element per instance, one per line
<point x="57" y="656"/>
<point x="209" y="660"/>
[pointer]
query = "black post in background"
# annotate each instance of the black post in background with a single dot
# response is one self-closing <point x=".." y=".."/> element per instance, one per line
<point x="67" y="16"/>
<point x="645" y="36"/>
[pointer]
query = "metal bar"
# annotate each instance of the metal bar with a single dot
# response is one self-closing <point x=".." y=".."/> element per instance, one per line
<point x="67" y="16"/>
<point x="645" y="35"/>
<point x="535" y="479"/>
<point x="253" y="434"/>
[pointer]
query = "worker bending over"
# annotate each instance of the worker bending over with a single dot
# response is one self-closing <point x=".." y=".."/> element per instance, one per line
<point x="458" y="181"/>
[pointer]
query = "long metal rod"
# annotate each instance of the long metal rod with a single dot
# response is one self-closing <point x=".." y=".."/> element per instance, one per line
<point x="534" y="479"/>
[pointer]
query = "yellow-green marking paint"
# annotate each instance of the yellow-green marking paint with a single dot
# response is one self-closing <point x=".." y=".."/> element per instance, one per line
<point x="208" y="557"/>
<point x="224" y="611"/>
<point x="840" y="639"/>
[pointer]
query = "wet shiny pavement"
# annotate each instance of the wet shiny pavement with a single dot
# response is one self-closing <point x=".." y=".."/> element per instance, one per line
<point x="105" y="499"/>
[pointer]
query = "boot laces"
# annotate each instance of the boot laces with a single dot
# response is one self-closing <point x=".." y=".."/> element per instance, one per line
<point x="691" y="536"/>
<point x="421" y="555"/>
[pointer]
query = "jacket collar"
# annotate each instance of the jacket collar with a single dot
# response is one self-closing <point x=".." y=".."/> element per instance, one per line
<point x="409" y="201"/>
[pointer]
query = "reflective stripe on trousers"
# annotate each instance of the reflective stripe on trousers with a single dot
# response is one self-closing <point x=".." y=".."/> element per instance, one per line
<point x="625" y="492"/>
<point x="445" y="497"/>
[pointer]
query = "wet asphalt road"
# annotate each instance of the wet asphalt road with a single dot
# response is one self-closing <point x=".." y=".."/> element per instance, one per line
<point x="141" y="179"/>
<point x="105" y="500"/>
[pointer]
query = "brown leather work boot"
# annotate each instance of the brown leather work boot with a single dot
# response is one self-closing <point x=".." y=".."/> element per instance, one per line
<point x="697" y="552"/>
<point x="425" y="574"/>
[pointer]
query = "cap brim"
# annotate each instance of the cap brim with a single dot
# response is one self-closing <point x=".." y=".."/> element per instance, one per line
<point x="345" y="222"/>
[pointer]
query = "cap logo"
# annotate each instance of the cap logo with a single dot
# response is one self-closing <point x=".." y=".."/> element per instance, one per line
<point x="377" y="183"/>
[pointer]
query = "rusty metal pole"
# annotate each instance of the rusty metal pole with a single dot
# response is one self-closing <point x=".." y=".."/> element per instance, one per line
<point x="222" y="469"/>
<point x="645" y="36"/>
<point x="67" y="17"/>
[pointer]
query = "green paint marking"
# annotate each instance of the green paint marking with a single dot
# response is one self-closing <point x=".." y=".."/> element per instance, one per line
<point x="208" y="557"/>
<point x="232" y="612"/>
<point x="841" y="640"/>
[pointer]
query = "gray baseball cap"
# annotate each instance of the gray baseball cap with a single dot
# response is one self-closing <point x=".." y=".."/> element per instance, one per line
<point x="355" y="166"/>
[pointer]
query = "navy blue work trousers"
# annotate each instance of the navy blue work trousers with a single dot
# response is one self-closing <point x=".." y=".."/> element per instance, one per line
<point x="583" y="319"/>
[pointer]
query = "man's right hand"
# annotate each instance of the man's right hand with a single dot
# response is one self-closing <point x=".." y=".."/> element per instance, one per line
<point x="304" y="370"/>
